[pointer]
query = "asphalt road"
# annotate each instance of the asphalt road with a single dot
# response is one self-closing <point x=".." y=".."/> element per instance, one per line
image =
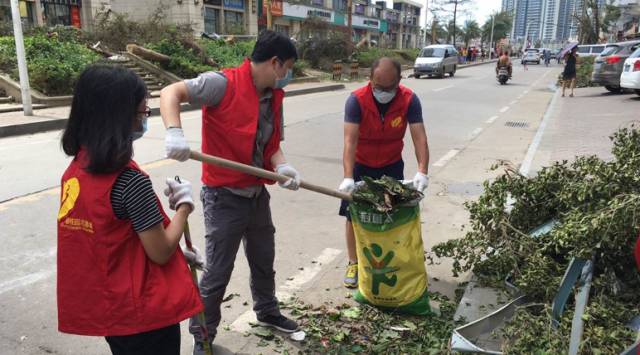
<point x="465" y="118"/>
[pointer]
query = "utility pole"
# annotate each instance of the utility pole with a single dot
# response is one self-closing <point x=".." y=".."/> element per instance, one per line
<point x="455" y="13"/>
<point x="493" y="23"/>
<point x="22" y="59"/>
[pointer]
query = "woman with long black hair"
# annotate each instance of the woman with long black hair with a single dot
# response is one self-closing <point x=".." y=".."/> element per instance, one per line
<point x="120" y="273"/>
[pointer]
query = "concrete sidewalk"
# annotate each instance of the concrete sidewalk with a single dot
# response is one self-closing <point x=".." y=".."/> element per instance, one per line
<point x="48" y="119"/>
<point x="572" y="126"/>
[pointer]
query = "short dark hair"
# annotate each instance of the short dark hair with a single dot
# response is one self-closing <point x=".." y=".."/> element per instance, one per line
<point x="273" y="44"/>
<point x="396" y="65"/>
<point x="105" y="105"/>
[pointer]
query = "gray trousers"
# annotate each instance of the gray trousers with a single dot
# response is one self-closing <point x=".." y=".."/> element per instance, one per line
<point x="229" y="219"/>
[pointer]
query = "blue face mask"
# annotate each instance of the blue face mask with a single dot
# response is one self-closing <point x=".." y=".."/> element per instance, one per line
<point x="138" y="134"/>
<point x="282" y="82"/>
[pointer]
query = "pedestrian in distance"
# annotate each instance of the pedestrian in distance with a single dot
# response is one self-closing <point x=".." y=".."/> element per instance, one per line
<point x="376" y="119"/>
<point x="120" y="273"/>
<point x="570" y="73"/>
<point x="241" y="121"/>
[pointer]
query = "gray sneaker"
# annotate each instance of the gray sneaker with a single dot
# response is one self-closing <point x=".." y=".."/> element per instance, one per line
<point x="199" y="348"/>
<point x="280" y="322"/>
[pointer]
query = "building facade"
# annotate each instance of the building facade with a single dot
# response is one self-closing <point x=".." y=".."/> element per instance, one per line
<point x="397" y="27"/>
<point x="550" y="22"/>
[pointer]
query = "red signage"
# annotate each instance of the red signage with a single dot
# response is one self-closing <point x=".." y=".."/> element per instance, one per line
<point x="75" y="17"/>
<point x="276" y="7"/>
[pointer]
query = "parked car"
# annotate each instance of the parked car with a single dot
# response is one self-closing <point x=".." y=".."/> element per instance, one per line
<point x="630" y="78"/>
<point x="608" y="66"/>
<point x="590" y="50"/>
<point x="555" y="53"/>
<point x="437" y="59"/>
<point x="531" y="55"/>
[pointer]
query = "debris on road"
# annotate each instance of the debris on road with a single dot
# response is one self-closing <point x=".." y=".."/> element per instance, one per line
<point x="596" y="208"/>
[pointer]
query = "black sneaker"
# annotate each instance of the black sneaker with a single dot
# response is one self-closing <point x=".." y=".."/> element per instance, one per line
<point x="280" y="322"/>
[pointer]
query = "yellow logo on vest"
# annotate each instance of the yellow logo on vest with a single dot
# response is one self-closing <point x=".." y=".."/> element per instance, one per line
<point x="70" y="193"/>
<point x="396" y="122"/>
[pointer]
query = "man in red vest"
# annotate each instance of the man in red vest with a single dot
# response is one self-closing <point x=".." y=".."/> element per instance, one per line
<point x="241" y="121"/>
<point x="376" y="119"/>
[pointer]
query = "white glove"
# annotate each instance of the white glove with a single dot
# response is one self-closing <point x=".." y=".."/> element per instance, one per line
<point x="176" y="145"/>
<point x="420" y="181"/>
<point x="347" y="185"/>
<point x="194" y="257"/>
<point x="179" y="193"/>
<point x="287" y="170"/>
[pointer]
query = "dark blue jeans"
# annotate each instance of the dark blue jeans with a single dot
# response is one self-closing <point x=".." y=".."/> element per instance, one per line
<point x="394" y="170"/>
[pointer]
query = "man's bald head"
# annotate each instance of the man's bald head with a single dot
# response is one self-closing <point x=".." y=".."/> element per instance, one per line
<point x="386" y="73"/>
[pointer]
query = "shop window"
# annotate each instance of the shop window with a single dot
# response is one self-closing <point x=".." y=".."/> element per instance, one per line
<point x="340" y="5"/>
<point x="282" y="29"/>
<point x="211" y="20"/>
<point x="359" y="9"/>
<point x="233" y="22"/>
<point x="317" y="2"/>
<point x="57" y="15"/>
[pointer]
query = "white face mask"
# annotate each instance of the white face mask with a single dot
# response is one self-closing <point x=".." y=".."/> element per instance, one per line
<point x="384" y="97"/>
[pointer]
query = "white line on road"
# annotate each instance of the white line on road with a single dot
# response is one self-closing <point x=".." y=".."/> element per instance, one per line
<point x="443" y="88"/>
<point x="525" y="92"/>
<point x="520" y="96"/>
<point x="504" y="109"/>
<point x="531" y="152"/>
<point x="286" y="291"/>
<point x="513" y="102"/>
<point x="492" y="119"/>
<point x="476" y="132"/>
<point x="443" y="161"/>
<point x="24" y="280"/>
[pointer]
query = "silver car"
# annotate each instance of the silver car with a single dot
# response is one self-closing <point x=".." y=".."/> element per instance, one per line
<point x="436" y="60"/>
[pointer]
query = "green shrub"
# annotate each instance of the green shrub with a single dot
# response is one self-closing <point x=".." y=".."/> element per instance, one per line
<point x="227" y="55"/>
<point x="299" y="67"/>
<point x="583" y="73"/>
<point x="184" y="62"/>
<point x="317" y="51"/>
<point x="54" y="65"/>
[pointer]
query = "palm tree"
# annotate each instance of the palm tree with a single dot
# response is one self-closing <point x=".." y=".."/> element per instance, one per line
<point x="470" y="31"/>
<point x="501" y="27"/>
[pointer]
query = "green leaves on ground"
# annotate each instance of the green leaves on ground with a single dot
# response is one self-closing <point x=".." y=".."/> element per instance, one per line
<point x="597" y="206"/>
<point x="365" y="329"/>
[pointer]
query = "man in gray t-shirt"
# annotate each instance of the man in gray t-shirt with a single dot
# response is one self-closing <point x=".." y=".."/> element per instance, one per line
<point x="208" y="89"/>
<point x="237" y="206"/>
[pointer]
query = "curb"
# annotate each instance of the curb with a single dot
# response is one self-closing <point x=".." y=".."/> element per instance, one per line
<point x="32" y="127"/>
<point x="59" y="123"/>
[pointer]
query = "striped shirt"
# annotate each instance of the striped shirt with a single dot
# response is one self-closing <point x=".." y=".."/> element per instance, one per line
<point x="133" y="198"/>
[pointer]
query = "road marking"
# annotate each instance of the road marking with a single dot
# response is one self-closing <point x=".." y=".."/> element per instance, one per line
<point x="476" y="132"/>
<point x="504" y="109"/>
<point x="492" y="119"/>
<point x="286" y="291"/>
<point x="520" y="96"/>
<point x="513" y="102"/>
<point x="443" y="88"/>
<point x="443" y="161"/>
<point x="531" y="152"/>
<point x="525" y="92"/>
<point x="24" y="280"/>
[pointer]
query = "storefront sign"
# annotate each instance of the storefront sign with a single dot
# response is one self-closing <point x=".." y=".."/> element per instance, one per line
<point x="276" y="7"/>
<point x="301" y="11"/>
<point x="366" y="22"/>
<point x="234" y="4"/>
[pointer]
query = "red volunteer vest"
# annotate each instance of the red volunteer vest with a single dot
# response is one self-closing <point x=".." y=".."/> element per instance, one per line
<point x="106" y="283"/>
<point x="229" y="130"/>
<point x="380" y="142"/>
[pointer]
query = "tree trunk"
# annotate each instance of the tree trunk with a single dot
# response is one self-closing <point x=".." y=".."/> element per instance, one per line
<point x="147" y="53"/>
